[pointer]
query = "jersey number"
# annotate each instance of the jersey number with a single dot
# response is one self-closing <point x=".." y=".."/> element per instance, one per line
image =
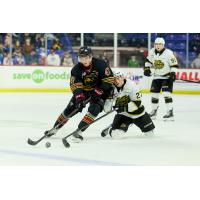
<point x="138" y="95"/>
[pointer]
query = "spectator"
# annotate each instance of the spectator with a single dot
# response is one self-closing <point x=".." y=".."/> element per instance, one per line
<point x="104" y="57"/>
<point x="42" y="59"/>
<point x="1" y="52"/>
<point x="196" y="62"/>
<point x="19" y="59"/>
<point x="40" y="41"/>
<point x="53" y="59"/>
<point x="33" y="58"/>
<point x="67" y="60"/>
<point x="133" y="62"/>
<point x="27" y="49"/>
<point x="17" y="47"/>
<point x="7" y="41"/>
<point x="56" y="44"/>
<point x="7" y="60"/>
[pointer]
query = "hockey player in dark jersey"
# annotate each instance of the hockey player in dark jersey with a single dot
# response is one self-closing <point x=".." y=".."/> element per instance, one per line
<point x="130" y="110"/>
<point x="91" y="82"/>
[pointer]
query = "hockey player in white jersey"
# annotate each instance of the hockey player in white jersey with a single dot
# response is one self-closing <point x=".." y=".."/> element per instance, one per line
<point x="130" y="110"/>
<point x="165" y="65"/>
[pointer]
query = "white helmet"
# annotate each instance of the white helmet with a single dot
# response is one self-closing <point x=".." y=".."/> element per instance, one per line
<point x="159" y="40"/>
<point x="118" y="74"/>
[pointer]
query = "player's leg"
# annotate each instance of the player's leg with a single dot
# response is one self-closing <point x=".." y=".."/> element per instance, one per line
<point x="145" y="124"/>
<point x="63" y="118"/>
<point x="106" y="130"/>
<point x="93" y="110"/>
<point x="155" y="91"/>
<point x="167" y="93"/>
<point x="119" y="126"/>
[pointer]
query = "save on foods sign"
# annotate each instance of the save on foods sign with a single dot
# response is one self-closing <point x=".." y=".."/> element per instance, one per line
<point x="34" y="77"/>
<point x="56" y="79"/>
<point x="40" y="76"/>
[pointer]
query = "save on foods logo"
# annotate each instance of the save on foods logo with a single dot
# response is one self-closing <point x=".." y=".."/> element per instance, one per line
<point x="39" y="76"/>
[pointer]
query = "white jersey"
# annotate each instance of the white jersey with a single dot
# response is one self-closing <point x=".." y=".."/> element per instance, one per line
<point x="128" y="94"/>
<point x="163" y="63"/>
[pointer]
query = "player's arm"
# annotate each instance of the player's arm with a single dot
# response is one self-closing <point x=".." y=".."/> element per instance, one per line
<point x="173" y="63"/>
<point x="135" y="100"/>
<point x="148" y="65"/>
<point x="76" y="86"/>
<point x="106" y="79"/>
<point x="110" y="101"/>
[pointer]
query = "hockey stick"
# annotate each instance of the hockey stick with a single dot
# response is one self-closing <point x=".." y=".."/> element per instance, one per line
<point x="189" y="81"/>
<point x="32" y="142"/>
<point x="64" y="140"/>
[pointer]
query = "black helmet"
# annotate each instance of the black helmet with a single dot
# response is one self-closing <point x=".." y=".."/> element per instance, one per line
<point x="84" y="51"/>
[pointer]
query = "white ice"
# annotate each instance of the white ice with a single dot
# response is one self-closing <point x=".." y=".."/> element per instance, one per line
<point x="28" y="115"/>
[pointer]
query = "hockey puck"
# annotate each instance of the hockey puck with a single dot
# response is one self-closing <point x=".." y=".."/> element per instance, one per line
<point x="48" y="144"/>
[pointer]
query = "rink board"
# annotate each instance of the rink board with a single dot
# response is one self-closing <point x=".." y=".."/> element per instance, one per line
<point x="56" y="79"/>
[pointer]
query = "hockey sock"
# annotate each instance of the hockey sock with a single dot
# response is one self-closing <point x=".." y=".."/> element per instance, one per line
<point x="87" y="119"/>
<point x="169" y="103"/>
<point x="61" y="121"/>
<point x="154" y="103"/>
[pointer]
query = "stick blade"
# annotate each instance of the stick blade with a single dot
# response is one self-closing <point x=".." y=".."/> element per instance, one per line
<point x="31" y="142"/>
<point x="65" y="143"/>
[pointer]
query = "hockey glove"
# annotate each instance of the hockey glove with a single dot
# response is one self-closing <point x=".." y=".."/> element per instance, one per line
<point x="96" y="94"/>
<point x="80" y="101"/>
<point x="172" y="76"/>
<point x="121" y="108"/>
<point x="147" y="71"/>
<point x="96" y="97"/>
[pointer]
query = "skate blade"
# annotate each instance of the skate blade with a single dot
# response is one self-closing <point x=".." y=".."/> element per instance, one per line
<point x="169" y="119"/>
<point x="76" y="140"/>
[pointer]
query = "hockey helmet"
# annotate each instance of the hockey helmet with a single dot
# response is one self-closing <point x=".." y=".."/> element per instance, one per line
<point x="159" y="40"/>
<point x="84" y="51"/>
<point x="118" y="74"/>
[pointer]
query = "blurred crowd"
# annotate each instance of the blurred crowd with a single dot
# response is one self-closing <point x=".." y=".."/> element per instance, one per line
<point x="29" y="49"/>
<point x="57" y="49"/>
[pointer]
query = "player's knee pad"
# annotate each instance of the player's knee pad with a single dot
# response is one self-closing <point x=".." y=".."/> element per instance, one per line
<point x="155" y="98"/>
<point x="121" y="122"/>
<point x="68" y="110"/>
<point x="117" y="133"/>
<point x="94" y="109"/>
<point x="167" y="97"/>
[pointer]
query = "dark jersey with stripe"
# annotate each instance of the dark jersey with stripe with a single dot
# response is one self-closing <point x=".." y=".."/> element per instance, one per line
<point x="99" y="75"/>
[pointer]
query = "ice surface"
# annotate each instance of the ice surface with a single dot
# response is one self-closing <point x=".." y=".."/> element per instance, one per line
<point x="24" y="115"/>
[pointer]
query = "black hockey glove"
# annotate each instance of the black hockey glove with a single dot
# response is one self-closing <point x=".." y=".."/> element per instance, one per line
<point x="96" y="97"/>
<point x="80" y="101"/>
<point x="147" y="71"/>
<point x="172" y="76"/>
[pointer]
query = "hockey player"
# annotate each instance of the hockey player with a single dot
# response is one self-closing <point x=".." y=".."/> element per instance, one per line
<point x="130" y="110"/>
<point x="165" y="66"/>
<point x="91" y="80"/>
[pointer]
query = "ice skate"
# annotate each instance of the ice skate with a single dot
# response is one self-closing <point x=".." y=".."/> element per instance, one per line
<point x="77" y="137"/>
<point x="169" y="116"/>
<point x="51" y="132"/>
<point x="106" y="131"/>
<point x="149" y="133"/>
<point x="153" y="114"/>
